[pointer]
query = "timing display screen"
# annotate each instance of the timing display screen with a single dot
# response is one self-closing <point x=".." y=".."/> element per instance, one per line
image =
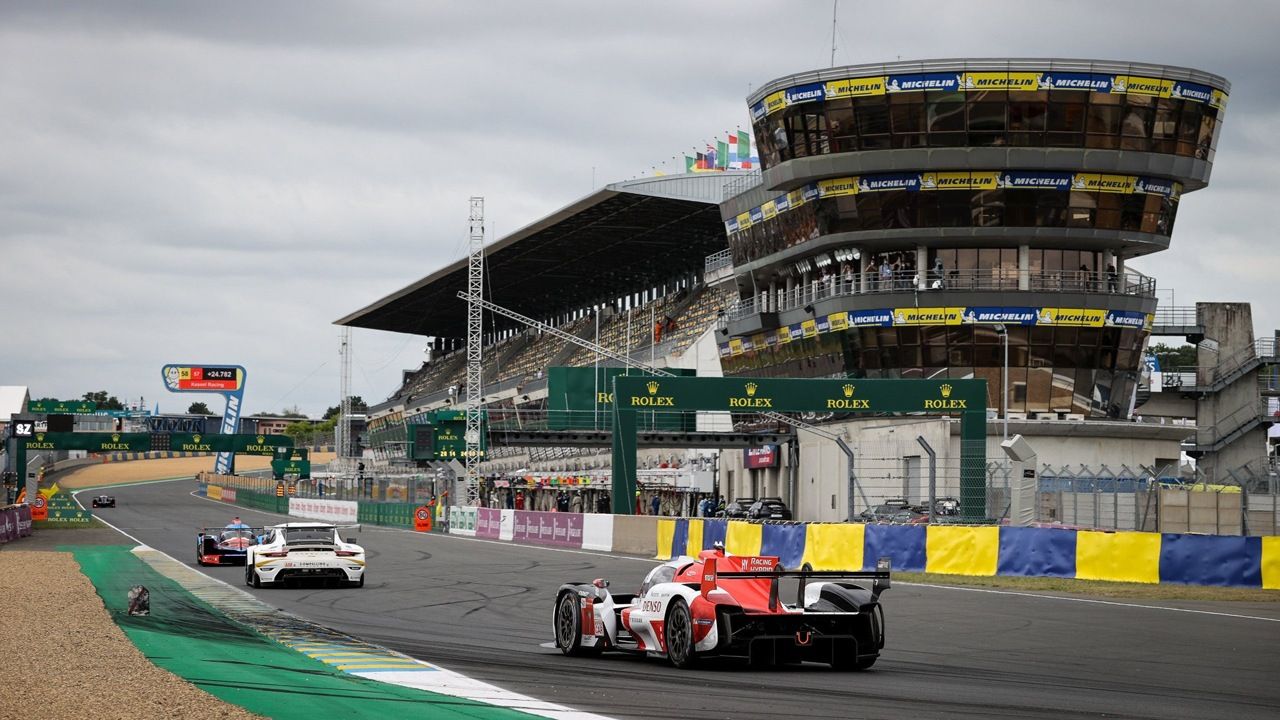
<point x="202" y="378"/>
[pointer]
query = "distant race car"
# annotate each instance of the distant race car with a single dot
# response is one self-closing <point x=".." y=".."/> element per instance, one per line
<point x="103" y="501"/>
<point x="304" y="551"/>
<point x="225" y="546"/>
<point x="729" y="605"/>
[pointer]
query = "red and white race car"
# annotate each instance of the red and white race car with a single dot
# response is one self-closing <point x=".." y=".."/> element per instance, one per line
<point x="729" y="605"/>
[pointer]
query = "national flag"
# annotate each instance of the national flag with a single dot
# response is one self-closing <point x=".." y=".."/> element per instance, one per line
<point x="733" y="152"/>
<point x="711" y="157"/>
<point x="744" y="149"/>
<point x="701" y="164"/>
<point x="690" y="165"/>
<point x="722" y="155"/>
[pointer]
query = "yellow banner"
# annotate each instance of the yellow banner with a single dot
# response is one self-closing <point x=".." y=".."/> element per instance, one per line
<point x="774" y="102"/>
<point x="1219" y="99"/>
<point x="836" y="187"/>
<point x="810" y="327"/>
<point x="770" y="210"/>
<point x="1071" y="317"/>
<point x="744" y="221"/>
<point x="855" y="87"/>
<point x="1139" y="85"/>
<point x="1000" y="81"/>
<point x="959" y="180"/>
<point x="758" y="341"/>
<point x="839" y="321"/>
<point x="784" y="336"/>
<point x="795" y="199"/>
<point x="1104" y="183"/>
<point x="735" y="346"/>
<point x="928" y="316"/>
<point x="1149" y="322"/>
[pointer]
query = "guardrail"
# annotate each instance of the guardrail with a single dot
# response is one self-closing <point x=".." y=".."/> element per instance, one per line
<point x="1177" y="316"/>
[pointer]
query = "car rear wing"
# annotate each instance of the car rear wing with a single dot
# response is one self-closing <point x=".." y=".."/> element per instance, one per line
<point x="880" y="577"/>
<point x="220" y="530"/>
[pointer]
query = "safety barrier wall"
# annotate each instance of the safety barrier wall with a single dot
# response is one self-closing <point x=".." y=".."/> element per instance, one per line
<point x="338" y="512"/>
<point x="15" y="522"/>
<point x="987" y="550"/>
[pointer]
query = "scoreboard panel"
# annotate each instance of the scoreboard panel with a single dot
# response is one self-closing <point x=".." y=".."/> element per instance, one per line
<point x="203" y="378"/>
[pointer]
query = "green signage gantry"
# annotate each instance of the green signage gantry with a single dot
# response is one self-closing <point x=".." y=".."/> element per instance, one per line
<point x="968" y="398"/>
<point x="98" y="442"/>
<point x="443" y="437"/>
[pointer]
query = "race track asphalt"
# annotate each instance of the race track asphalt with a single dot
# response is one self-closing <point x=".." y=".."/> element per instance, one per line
<point x="483" y="609"/>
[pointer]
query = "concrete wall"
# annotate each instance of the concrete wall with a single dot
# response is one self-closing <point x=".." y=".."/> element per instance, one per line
<point x="1230" y="325"/>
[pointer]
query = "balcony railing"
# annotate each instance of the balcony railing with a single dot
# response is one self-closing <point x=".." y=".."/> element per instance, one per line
<point x="1049" y="281"/>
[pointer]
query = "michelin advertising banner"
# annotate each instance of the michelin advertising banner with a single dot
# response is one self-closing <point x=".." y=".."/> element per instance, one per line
<point x="1017" y="81"/>
<point x="941" y="316"/>
<point x="943" y="181"/>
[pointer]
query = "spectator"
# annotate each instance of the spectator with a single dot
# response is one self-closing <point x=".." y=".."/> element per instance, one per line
<point x="657" y="332"/>
<point x="886" y="274"/>
<point x="603" y="505"/>
<point x="1113" y="278"/>
<point x="655" y="504"/>
<point x="520" y="500"/>
<point x="575" y="503"/>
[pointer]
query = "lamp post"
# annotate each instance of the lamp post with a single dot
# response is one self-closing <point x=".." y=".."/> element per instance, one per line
<point x="1003" y="332"/>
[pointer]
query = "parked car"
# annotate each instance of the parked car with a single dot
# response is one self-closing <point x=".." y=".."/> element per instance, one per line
<point x="883" y="512"/>
<point x="768" y="509"/>
<point x="739" y="508"/>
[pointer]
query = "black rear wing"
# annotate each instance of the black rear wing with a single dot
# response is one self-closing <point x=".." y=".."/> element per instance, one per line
<point x="257" y="531"/>
<point x="880" y="578"/>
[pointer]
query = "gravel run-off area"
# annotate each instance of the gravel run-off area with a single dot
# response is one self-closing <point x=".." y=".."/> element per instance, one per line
<point x="66" y="659"/>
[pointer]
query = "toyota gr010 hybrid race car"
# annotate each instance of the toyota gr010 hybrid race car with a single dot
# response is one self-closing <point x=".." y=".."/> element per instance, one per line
<point x="729" y="605"/>
<point x="103" y="501"/>
<point x="225" y="546"/>
<point x="304" y="551"/>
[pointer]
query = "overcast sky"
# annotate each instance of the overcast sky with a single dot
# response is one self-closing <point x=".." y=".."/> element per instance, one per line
<point x="218" y="182"/>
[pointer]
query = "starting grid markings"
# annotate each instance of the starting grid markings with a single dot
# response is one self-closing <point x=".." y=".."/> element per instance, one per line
<point x="342" y="652"/>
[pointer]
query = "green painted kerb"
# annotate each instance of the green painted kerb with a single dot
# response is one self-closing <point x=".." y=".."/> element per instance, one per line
<point x="200" y="645"/>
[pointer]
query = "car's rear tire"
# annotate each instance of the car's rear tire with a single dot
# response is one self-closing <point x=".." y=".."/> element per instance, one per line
<point x="360" y="582"/>
<point x="248" y="575"/>
<point x="678" y="634"/>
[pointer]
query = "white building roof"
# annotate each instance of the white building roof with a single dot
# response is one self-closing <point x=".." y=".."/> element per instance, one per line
<point x="13" y="401"/>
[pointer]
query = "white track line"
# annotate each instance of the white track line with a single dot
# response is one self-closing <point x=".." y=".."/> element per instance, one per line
<point x="1091" y="601"/>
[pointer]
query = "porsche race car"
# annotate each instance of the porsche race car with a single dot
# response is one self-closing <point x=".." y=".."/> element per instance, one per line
<point x="225" y="546"/>
<point x="103" y="501"/>
<point x="729" y="605"/>
<point x="304" y="551"/>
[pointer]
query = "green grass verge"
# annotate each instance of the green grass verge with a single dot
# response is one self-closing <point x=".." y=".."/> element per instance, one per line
<point x="1096" y="588"/>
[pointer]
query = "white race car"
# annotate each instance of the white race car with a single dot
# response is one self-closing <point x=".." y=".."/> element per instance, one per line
<point x="304" y="551"/>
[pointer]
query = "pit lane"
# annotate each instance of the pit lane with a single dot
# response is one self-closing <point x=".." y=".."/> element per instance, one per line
<point x="483" y="609"/>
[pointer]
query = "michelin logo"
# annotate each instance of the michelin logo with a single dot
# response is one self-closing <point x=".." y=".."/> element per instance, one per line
<point x="1048" y="182"/>
<point x="1075" y="82"/>
<point x="1013" y="317"/>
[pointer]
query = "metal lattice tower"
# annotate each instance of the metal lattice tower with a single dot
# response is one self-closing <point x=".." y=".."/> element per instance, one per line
<point x="475" y="349"/>
<point x="342" y="431"/>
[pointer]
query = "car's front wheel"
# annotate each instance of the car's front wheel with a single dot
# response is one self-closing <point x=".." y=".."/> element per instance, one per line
<point x="567" y="620"/>
<point x="678" y="634"/>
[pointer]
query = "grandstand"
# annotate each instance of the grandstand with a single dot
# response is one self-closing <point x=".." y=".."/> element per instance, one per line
<point x="604" y="269"/>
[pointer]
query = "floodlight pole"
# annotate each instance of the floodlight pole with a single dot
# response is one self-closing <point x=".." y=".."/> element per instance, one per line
<point x="475" y="352"/>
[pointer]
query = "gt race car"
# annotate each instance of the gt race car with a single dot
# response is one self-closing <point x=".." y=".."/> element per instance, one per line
<point x="225" y="546"/>
<point x="103" y="501"/>
<point x="304" y="551"/>
<point x="729" y="605"/>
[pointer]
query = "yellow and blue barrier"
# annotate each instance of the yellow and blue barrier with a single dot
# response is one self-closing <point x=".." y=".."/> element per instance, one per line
<point x="984" y="551"/>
